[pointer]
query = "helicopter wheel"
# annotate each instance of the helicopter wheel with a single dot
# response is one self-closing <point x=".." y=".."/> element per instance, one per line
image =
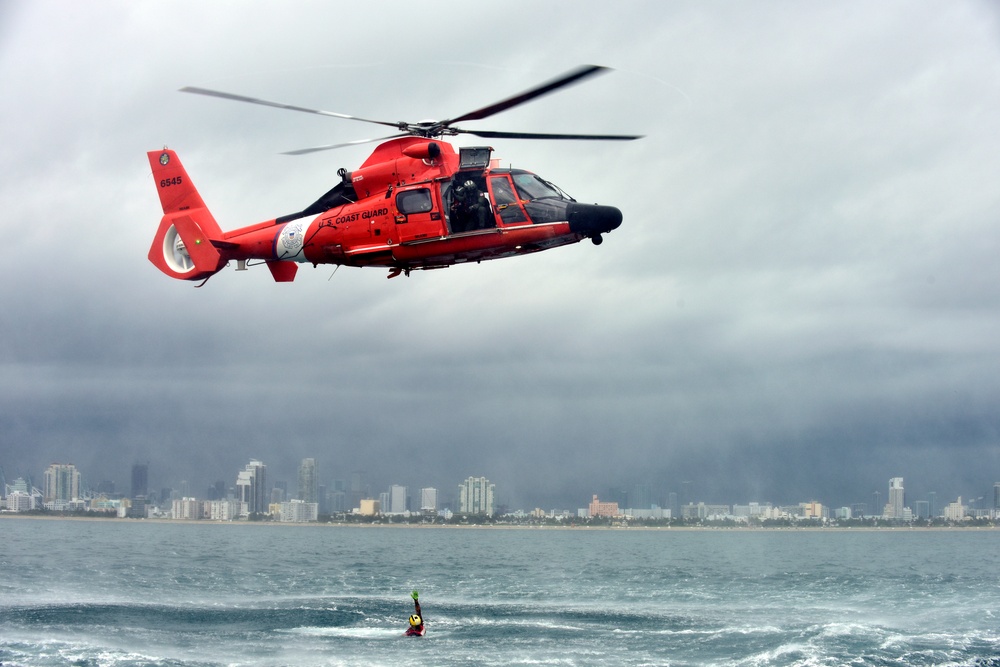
<point x="597" y="239"/>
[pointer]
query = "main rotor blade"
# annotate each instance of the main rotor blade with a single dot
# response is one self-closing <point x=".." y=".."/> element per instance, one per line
<point x="316" y="149"/>
<point x="534" y="135"/>
<point x="280" y="105"/>
<point x="528" y="95"/>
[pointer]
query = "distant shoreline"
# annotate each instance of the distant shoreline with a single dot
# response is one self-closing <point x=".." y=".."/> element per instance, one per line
<point x="313" y="524"/>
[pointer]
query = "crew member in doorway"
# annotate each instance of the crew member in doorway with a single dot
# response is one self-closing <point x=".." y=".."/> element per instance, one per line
<point x="469" y="208"/>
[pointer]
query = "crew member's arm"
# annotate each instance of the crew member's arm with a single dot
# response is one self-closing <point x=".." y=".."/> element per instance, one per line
<point x="416" y="604"/>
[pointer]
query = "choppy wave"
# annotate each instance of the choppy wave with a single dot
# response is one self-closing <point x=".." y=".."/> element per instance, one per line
<point x="112" y="596"/>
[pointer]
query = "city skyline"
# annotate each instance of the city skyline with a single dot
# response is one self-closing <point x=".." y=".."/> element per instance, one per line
<point x="397" y="497"/>
<point x="801" y="300"/>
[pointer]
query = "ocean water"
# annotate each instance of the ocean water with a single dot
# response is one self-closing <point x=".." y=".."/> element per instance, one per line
<point x="124" y="593"/>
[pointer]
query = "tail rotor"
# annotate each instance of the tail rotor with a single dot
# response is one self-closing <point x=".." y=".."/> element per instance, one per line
<point x="183" y="245"/>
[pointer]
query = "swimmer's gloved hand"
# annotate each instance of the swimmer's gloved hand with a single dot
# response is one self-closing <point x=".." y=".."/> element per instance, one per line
<point x="414" y="595"/>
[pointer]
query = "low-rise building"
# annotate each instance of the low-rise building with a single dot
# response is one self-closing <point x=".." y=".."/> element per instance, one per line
<point x="603" y="508"/>
<point x="186" y="508"/>
<point x="369" y="507"/>
<point x="19" y="501"/>
<point x="298" y="511"/>
<point x="223" y="510"/>
<point x="955" y="511"/>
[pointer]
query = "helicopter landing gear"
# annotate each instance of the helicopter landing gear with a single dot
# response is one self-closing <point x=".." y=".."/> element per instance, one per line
<point x="597" y="239"/>
<point x="396" y="271"/>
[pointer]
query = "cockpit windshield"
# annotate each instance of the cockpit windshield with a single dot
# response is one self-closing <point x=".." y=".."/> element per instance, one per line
<point x="531" y="187"/>
<point x="542" y="201"/>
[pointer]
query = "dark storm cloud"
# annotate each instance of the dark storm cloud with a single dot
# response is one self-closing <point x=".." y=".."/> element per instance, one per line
<point x="802" y="301"/>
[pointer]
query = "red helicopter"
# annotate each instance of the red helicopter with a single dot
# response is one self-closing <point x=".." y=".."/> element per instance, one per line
<point x="415" y="203"/>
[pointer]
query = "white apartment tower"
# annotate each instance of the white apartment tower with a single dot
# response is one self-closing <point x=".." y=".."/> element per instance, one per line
<point x="894" y="508"/>
<point x="61" y="483"/>
<point x="475" y="496"/>
<point x="251" y="484"/>
<point x="428" y="500"/>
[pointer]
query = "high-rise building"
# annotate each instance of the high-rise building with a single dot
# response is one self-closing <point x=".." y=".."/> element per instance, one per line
<point x="308" y="482"/>
<point x="62" y="483"/>
<point x="475" y="496"/>
<point x="358" y="488"/>
<point x="217" y="491"/>
<point x="685" y="497"/>
<point x="428" y="499"/>
<point x="251" y="488"/>
<point x="641" y="497"/>
<point x="894" y="508"/>
<point x="140" y="480"/>
<point x="277" y="495"/>
<point x="396" y="500"/>
<point x="336" y="497"/>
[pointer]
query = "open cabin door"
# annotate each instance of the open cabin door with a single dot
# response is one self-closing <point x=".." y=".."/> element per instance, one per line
<point x="505" y="202"/>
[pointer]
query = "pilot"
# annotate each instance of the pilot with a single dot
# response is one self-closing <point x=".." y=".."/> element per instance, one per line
<point x="469" y="207"/>
<point x="416" y="628"/>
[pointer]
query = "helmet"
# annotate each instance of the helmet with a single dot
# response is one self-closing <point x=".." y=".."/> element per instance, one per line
<point x="415" y="620"/>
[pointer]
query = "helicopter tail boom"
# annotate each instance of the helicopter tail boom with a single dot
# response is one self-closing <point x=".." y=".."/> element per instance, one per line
<point x="183" y="246"/>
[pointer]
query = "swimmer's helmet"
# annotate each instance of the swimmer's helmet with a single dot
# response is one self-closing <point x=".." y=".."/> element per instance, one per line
<point x="415" y="620"/>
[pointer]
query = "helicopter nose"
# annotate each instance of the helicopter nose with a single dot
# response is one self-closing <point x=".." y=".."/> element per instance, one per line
<point x="593" y="219"/>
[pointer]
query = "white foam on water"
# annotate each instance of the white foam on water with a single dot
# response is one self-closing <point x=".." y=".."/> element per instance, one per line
<point x="354" y="632"/>
<point x="519" y="623"/>
<point x="745" y="631"/>
<point x="794" y="653"/>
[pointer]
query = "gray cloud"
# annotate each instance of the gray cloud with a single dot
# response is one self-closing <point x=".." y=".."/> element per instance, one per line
<point x="802" y="301"/>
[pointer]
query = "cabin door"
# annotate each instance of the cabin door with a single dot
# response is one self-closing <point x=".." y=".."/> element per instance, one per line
<point x="418" y="214"/>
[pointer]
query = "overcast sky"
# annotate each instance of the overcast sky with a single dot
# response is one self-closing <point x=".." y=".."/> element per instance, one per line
<point x="802" y="302"/>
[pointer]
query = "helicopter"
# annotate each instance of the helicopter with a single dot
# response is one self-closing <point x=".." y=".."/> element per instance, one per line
<point x="416" y="203"/>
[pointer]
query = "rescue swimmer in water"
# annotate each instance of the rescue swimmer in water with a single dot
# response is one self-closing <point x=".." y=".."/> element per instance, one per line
<point x="416" y="628"/>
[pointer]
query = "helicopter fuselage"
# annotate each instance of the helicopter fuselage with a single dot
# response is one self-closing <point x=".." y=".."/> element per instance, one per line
<point x="414" y="204"/>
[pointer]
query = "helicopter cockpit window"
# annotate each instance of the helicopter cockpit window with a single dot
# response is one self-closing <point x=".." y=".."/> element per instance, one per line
<point x="414" y="201"/>
<point x="543" y="201"/>
<point x="530" y="186"/>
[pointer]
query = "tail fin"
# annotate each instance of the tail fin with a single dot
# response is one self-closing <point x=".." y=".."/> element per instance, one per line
<point x="183" y="245"/>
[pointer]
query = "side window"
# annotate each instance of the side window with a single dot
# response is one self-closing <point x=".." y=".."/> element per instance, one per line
<point x="414" y="201"/>
<point x="506" y="202"/>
